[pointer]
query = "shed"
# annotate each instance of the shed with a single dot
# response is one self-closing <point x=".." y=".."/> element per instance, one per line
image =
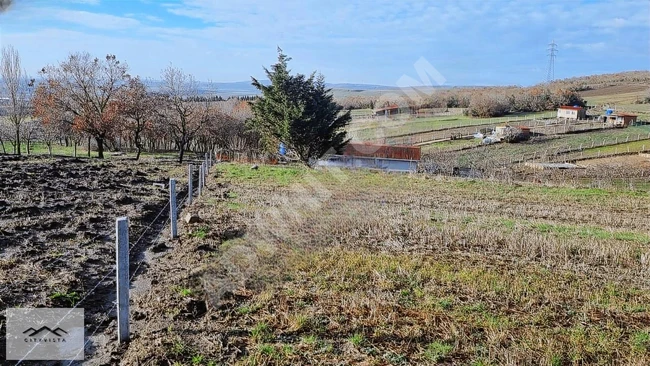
<point x="382" y="151"/>
<point x="571" y="112"/>
<point x="619" y="119"/>
<point x="387" y="111"/>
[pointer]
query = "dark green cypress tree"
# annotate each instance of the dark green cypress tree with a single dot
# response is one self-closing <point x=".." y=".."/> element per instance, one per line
<point x="299" y="111"/>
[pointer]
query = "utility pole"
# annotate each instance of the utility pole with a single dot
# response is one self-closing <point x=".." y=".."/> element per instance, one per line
<point x="552" y="52"/>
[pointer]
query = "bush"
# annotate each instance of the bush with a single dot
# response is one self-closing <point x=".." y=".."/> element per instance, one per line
<point x="488" y="106"/>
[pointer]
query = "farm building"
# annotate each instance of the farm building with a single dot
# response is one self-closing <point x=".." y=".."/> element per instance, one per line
<point x="382" y="151"/>
<point x="571" y="112"/>
<point x="387" y="111"/>
<point x="373" y="156"/>
<point x="619" y="119"/>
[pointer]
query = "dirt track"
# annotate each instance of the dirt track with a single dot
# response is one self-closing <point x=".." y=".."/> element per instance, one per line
<point x="57" y="219"/>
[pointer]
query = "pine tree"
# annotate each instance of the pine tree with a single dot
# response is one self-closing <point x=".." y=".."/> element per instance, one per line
<point x="298" y="111"/>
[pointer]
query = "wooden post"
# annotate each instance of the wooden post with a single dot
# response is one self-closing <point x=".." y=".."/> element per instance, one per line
<point x="122" y="259"/>
<point x="173" y="214"/>
<point x="189" y="185"/>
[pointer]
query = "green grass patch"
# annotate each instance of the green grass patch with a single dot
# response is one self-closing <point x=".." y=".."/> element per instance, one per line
<point x="69" y="297"/>
<point x="437" y="351"/>
<point x="590" y="232"/>
<point x="635" y="146"/>
<point x="201" y="232"/>
<point x="280" y="175"/>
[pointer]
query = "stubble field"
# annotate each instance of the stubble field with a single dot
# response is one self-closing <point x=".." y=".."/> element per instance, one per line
<point x="293" y="266"/>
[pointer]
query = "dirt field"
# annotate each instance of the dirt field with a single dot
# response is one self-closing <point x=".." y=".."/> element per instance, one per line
<point x="614" y="90"/>
<point x="57" y="222"/>
<point x="290" y="266"/>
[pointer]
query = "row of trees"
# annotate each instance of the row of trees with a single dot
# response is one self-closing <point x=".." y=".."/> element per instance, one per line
<point x="84" y="97"/>
<point x="479" y="102"/>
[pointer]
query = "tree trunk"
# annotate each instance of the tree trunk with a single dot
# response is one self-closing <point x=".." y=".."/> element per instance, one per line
<point x="181" y="152"/>
<point x="138" y="145"/>
<point x="100" y="147"/>
<point x="75" y="148"/>
<point x="17" y="140"/>
<point x="88" y="146"/>
<point x="28" y="146"/>
<point x="49" y="148"/>
<point x="4" y="150"/>
<point x="67" y="142"/>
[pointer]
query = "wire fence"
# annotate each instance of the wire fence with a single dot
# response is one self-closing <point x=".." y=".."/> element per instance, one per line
<point x="106" y="315"/>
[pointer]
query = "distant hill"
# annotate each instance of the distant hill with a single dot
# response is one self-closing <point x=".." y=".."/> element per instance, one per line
<point x="240" y="88"/>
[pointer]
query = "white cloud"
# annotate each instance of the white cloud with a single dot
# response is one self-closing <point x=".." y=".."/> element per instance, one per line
<point x="96" y="20"/>
<point x="88" y="2"/>
<point x="586" y="47"/>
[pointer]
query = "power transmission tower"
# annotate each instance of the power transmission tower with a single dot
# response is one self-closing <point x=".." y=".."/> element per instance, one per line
<point x="552" y="52"/>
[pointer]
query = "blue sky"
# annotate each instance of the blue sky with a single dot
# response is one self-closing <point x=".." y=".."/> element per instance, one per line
<point x="469" y="42"/>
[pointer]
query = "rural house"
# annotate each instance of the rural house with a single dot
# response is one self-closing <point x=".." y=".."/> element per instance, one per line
<point x="571" y="112"/>
<point x="387" y="111"/>
<point x="619" y="119"/>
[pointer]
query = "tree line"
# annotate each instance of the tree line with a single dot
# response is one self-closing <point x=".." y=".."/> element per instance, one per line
<point x="88" y="98"/>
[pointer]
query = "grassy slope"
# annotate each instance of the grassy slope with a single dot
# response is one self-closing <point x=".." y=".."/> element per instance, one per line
<point x="360" y="267"/>
<point x="39" y="148"/>
<point x="379" y="128"/>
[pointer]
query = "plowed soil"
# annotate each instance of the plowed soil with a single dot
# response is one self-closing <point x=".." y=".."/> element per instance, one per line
<point x="57" y="220"/>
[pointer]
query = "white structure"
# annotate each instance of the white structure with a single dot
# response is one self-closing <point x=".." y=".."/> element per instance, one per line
<point x="571" y="112"/>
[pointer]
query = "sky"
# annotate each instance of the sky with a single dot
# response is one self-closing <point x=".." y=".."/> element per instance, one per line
<point x="385" y="42"/>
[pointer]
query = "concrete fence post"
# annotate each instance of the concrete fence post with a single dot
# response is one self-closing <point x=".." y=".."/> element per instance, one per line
<point x="122" y="262"/>
<point x="205" y="172"/>
<point x="173" y="210"/>
<point x="627" y="139"/>
<point x="200" y="180"/>
<point x="189" y="185"/>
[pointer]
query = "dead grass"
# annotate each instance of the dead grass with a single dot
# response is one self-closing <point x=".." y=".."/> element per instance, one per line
<point x="367" y="268"/>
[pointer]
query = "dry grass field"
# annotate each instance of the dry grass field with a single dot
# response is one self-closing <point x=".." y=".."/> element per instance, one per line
<point x="294" y="266"/>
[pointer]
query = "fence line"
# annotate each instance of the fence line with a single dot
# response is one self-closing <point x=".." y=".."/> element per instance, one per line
<point x="124" y="267"/>
<point x="443" y="134"/>
<point x="566" y="154"/>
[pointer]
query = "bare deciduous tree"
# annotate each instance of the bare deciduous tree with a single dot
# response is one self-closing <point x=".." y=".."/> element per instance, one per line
<point x="84" y="91"/>
<point x="183" y="117"/>
<point x="138" y="108"/>
<point x="16" y="86"/>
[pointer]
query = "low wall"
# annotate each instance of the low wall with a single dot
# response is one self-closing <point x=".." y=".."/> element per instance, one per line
<point x="389" y="165"/>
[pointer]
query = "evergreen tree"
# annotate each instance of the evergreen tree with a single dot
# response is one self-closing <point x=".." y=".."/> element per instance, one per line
<point x="298" y="111"/>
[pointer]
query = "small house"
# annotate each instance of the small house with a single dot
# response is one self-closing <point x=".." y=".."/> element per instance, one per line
<point x="619" y="119"/>
<point x="387" y="111"/>
<point x="571" y="112"/>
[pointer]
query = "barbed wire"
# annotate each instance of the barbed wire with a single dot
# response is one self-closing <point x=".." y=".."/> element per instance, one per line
<point x="107" y="314"/>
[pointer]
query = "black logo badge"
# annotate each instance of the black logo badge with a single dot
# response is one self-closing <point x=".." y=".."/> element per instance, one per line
<point x="43" y="329"/>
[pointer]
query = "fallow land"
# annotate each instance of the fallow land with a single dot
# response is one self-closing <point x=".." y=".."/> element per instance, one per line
<point x="294" y="266"/>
